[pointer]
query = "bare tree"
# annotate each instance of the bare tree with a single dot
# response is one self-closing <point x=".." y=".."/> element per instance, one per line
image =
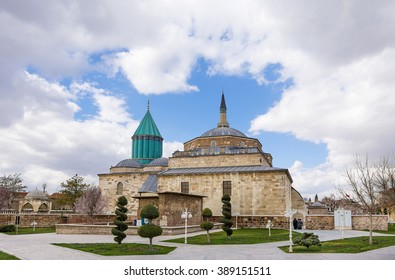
<point x="5" y="198"/>
<point x="362" y="188"/>
<point x="331" y="202"/>
<point x="91" y="202"/>
<point x="12" y="183"/>
<point x="385" y="182"/>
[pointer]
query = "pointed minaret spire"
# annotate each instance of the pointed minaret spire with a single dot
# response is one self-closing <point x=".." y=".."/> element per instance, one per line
<point x="222" y="113"/>
<point x="148" y="105"/>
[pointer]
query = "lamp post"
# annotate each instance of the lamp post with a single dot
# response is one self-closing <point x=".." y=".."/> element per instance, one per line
<point x="342" y="222"/>
<point x="34" y="224"/>
<point x="269" y="226"/>
<point x="289" y="213"/>
<point x="186" y="215"/>
<point x="236" y="214"/>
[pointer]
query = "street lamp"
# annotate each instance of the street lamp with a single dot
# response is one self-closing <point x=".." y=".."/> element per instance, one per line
<point x="342" y="222"/>
<point x="289" y="213"/>
<point x="186" y="215"/>
<point x="269" y="226"/>
<point x="236" y="214"/>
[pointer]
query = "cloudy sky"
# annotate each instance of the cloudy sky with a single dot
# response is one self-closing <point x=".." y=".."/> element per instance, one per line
<point x="312" y="80"/>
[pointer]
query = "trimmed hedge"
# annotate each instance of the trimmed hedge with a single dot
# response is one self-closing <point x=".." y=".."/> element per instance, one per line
<point x="8" y="228"/>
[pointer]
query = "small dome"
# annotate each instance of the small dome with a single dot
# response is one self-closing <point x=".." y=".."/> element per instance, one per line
<point x="128" y="163"/>
<point x="223" y="131"/>
<point x="317" y="204"/>
<point x="159" y="162"/>
<point x="36" y="194"/>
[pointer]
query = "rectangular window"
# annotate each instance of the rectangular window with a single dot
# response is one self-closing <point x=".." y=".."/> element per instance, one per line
<point x="227" y="187"/>
<point x="185" y="187"/>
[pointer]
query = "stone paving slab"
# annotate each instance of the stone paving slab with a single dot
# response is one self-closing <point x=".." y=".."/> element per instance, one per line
<point x="39" y="247"/>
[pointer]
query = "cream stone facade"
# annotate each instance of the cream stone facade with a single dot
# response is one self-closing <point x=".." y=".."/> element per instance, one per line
<point x="222" y="160"/>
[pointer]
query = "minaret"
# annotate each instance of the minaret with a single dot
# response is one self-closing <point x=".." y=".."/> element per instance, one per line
<point x="147" y="142"/>
<point x="222" y="113"/>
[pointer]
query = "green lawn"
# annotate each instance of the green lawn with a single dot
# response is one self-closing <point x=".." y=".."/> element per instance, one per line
<point x="31" y="231"/>
<point x="240" y="236"/>
<point x="5" y="256"/>
<point x="113" y="249"/>
<point x="347" y="245"/>
<point x="391" y="229"/>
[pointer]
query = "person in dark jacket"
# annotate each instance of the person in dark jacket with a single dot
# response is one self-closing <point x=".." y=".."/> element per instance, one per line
<point x="295" y="223"/>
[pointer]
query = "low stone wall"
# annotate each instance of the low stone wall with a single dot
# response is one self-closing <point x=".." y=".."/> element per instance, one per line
<point x="361" y="222"/>
<point x="320" y="222"/>
<point x="279" y="222"/>
<point x="50" y="220"/>
<point x="26" y="219"/>
<point x="132" y="230"/>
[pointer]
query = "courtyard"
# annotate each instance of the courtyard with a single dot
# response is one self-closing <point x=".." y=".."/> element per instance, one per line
<point x="39" y="247"/>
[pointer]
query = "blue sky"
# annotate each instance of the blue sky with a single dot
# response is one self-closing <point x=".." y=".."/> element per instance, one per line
<point x="301" y="77"/>
<point x="182" y="116"/>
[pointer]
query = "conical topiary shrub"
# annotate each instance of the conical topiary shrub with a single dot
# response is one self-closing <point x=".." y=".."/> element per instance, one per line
<point x="226" y="219"/>
<point x="120" y="219"/>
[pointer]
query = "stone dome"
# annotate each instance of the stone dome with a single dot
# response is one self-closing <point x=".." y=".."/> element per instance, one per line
<point x="159" y="162"/>
<point x="129" y="163"/>
<point x="223" y="131"/>
<point x="36" y="194"/>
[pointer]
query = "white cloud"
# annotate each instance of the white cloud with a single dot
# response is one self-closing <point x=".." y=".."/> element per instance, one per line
<point x="48" y="145"/>
<point x="339" y="55"/>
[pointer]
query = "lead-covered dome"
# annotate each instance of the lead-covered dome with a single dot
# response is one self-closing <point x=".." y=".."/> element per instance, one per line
<point x="129" y="163"/>
<point x="159" y="162"/>
<point x="36" y="194"/>
<point x="223" y="131"/>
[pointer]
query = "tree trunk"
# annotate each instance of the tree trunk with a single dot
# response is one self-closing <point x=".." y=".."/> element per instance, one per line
<point x="208" y="237"/>
<point x="150" y="245"/>
<point x="370" y="228"/>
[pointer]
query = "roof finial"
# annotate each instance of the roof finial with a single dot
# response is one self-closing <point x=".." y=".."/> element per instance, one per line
<point x="148" y="105"/>
<point x="222" y="109"/>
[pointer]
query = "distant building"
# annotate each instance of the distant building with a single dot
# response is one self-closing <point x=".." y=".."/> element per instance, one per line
<point x="223" y="160"/>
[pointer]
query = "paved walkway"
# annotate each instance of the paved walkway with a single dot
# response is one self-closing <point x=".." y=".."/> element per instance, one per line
<point x="39" y="247"/>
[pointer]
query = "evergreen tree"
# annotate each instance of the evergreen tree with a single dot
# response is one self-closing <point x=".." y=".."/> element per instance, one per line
<point x="73" y="189"/>
<point x="120" y="219"/>
<point x="226" y="219"/>
<point x="206" y="224"/>
<point x="149" y="230"/>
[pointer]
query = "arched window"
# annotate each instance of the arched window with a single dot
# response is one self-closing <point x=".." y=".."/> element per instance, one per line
<point x="120" y="189"/>
<point x="242" y="144"/>
<point x="43" y="208"/>
<point x="213" y="143"/>
<point x="27" y="207"/>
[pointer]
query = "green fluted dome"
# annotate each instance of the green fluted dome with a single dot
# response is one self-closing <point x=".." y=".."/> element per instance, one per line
<point x="147" y="141"/>
<point x="147" y="126"/>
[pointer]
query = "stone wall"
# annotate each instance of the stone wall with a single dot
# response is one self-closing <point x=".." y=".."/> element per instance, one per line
<point x="132" y="182"/>
<point x="132" y="230"/>
<point x="232" y="141"/>
<point x="320" y="222"/>
<point x="50" y="220"/>
<point x="361" y="222"/>
<point x="172" y="205"/>
<point x="253" y="193"/>
<point x="279" y="222"/>
<point x="218" y="160"/>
